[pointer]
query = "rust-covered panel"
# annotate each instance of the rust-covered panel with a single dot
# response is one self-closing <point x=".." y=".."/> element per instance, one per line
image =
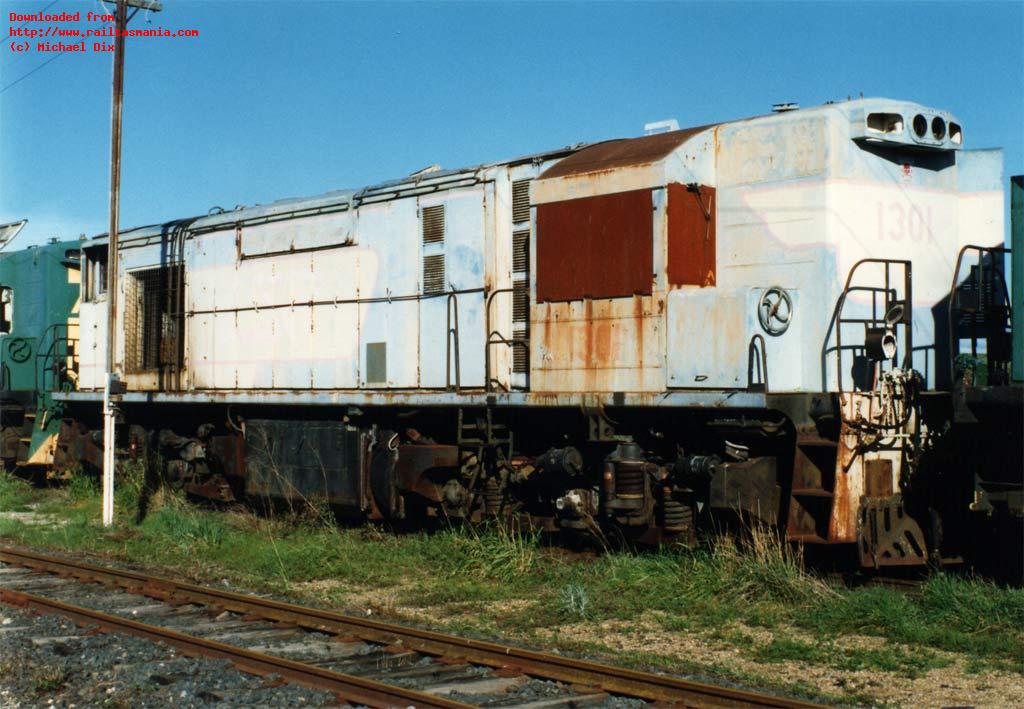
<point x="691" y="236"/>
<point x="860" y="459"/>
<point x="621" y="153"/>
<point x="595" y="247"/>
<point x="589" y="345"/>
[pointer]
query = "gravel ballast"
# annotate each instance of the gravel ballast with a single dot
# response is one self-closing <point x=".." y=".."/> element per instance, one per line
<point x="49" y="661"/>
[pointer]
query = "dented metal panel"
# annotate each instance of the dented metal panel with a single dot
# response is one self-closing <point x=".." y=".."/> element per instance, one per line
<point x="590" y="345"/>
<point x="707" y="339"/>
<point x="317" y="232"/>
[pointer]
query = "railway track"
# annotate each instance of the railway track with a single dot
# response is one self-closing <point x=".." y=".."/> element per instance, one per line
<point x="363" y="661"/>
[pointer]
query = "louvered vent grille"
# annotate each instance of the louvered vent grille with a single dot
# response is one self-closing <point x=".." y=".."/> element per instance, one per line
<point x="433" y="224"/>
<point x="521" y="250"/>
<point x="520" y="201"/>
<point x="433" y="274"/>
<point x="520" y="302"/>
<point x="520" y="355"/>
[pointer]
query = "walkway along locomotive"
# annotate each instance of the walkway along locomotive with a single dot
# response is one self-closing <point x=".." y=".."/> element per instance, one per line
<point x="746" y="319"/>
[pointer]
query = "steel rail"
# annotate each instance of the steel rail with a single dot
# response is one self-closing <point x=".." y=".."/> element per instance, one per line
<point x="614" y="680"/>
<point x="348" y="687"/>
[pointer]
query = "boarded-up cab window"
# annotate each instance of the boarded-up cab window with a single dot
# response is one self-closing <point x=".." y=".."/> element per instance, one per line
<point x="691" y="235"/>
<point x="596" y="247"/>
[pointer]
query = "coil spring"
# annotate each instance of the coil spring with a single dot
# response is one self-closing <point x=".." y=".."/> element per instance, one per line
<point x="629" y="480"/>
<point x="676" y="516"/>
<point x="492" y="496"/>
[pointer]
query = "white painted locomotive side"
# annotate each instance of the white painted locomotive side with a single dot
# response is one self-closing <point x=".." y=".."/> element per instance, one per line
<point x="335" y="302"/>
<point x="92" y="353"/>
<point x="800" y="203"/>
<point x="769" y="175"/>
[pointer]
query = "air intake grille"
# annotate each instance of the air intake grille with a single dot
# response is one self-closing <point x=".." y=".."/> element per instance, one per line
<point x="433" y="274"/>
<point x="520" y="201"/>
<point x="521" y="250"/>
<point x="520" y="301"/>
<point x="520" y="355"/>
<point x="433" y="224"/>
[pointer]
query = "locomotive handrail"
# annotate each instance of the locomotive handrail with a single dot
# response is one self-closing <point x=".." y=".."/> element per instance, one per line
<point x="762" y="361"/>
<point x="496" y="338"/>
<point x="452" y="305"/>
<point x="838" y="321"/>
<point x="45" y="352"/>
<point x="954" y="288"/>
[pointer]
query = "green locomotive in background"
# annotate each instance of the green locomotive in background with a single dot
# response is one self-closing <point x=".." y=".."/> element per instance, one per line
<point x="39" y="292"/>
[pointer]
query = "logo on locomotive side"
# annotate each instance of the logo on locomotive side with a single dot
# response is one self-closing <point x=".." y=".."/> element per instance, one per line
<point x="19" y="350"/>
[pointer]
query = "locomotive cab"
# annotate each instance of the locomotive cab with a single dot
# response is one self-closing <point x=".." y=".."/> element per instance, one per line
<point x="806" y="255"/>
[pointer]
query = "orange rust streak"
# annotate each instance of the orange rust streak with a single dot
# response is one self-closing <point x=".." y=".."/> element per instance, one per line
<point x="638" y="324"/>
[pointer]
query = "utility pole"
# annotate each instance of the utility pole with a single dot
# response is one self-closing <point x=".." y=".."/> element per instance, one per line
<point x="112" y="383"/>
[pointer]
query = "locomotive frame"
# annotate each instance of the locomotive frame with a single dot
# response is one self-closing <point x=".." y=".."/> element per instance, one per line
<point x="631" y="335"/>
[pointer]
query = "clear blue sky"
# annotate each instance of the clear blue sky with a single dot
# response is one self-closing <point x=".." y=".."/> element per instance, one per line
<point x="280" y="99"/>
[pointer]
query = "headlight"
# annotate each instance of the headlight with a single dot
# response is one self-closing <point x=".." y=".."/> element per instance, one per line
<point x="920" y="125"/>
<point x="880" y="344"/>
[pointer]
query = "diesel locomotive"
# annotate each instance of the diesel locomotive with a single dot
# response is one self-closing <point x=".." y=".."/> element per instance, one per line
<point x="800" y="319"/>
<point x="39" y="288"/>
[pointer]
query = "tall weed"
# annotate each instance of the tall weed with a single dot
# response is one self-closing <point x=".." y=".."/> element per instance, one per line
<point x="575" y="602"/>
<point x="82" y="486"/>
<point x="186" y="529"/>
<point x="129" y="485"/>
<point x="501" y="552"/>
<point x="759" y="567"/>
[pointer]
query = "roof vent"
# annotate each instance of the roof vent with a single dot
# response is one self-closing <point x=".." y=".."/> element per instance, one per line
<point x="783" y="107"/>
<point x="426" y="171"/>
<point x="661" y="126"/>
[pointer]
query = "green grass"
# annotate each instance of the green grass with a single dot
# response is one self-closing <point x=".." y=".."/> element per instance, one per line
<point x="15" y="493"/>
<point x="499" y="581"/>
<point x="899" y="660"/>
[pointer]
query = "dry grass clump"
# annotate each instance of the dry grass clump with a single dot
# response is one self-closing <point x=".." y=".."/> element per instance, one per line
<point x="501" y="552"/>
<point x="760" y="566"/>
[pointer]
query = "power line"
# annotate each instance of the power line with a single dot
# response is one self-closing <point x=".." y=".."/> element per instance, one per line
<point x="24" y="24"/>
<point x="33" y="71"/>
<point x="25" y="76"/>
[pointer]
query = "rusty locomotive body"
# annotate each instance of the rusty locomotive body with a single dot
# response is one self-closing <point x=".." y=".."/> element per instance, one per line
<point x="746" y="320"/>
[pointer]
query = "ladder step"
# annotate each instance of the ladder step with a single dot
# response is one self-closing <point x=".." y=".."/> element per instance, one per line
<point x="811" y="492"/>
<point x="817" y="443"/>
